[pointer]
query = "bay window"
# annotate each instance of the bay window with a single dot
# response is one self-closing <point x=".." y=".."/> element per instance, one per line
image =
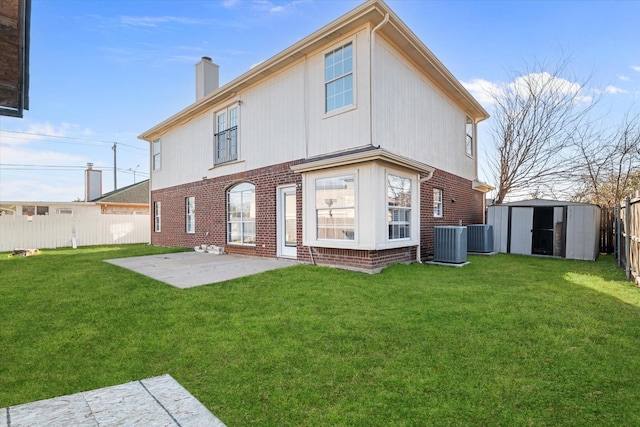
<point x="335" y="208"/>
<point x="399" y="207"/>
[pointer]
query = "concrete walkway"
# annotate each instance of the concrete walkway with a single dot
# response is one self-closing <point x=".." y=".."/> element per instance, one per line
<point x="188" y="269"/>
<point x="158" y="401"/>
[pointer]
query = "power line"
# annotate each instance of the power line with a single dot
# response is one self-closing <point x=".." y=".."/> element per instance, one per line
<point x="15" y="167"/>
<point x="71" y="138"/>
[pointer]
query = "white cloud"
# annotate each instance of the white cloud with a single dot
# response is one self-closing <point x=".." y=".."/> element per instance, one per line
<point x="481" y="90"/>
<point x="228" y="4"/>
<point x="154" y="21"/>
<point x="614" y="90"/>
<point x="484" y="90"/>
<point x="266" y="5"/>
<point x="635" y="68"/>
<point x="623" y="78"/>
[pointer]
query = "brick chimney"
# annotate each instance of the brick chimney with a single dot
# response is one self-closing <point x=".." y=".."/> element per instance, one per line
<point x="206" y="77"/>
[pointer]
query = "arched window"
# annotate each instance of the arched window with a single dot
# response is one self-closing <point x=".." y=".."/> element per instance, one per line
<point x="241" y="214"/>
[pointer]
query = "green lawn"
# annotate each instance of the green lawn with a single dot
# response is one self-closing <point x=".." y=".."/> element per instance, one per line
<point x="506" y="340"/>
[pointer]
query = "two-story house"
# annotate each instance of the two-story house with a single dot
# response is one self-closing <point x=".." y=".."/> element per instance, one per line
<point x="345" y="149"/>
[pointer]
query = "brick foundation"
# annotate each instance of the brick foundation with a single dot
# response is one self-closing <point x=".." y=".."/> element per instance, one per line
<point x="211" y="224"/>
<point x="365" y="261"/>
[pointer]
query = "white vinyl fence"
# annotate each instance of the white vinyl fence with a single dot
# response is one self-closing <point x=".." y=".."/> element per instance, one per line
<point x="55" y="231"/>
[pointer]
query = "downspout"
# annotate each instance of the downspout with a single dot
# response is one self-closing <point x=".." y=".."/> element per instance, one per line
<point x="371" y="57"/>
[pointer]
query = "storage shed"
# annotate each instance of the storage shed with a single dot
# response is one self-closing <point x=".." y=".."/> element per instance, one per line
<point x="546" y="227"/>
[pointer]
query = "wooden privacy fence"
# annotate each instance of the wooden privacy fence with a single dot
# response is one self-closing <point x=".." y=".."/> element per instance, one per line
<point x="607" y="221"/>
<point x="55" y="231"/>
<point x="627" y="226"/>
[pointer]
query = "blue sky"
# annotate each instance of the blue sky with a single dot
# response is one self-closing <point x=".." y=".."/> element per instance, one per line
<point x="104" y="71"/>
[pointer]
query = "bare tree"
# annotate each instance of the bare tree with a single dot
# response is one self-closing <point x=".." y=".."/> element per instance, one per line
<point x="534" y="118"/>
<point x="607" y="165"/>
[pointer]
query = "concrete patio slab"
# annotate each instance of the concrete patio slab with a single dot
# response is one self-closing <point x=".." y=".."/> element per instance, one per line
<point x="157" y="401"/>
<point x="188" y="269"/>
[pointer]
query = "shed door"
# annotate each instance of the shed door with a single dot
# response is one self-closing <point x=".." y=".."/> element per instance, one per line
<point x="521" y="230"/>
<point x="543" y="231"/>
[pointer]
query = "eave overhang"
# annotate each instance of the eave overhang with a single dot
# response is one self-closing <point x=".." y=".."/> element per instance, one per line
<point x="482" y="186"/>
<point x="371" y="12"/>
<point x="362" y="156"/>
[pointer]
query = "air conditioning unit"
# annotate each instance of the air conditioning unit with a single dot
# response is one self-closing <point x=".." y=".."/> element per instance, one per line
<point x="450" y="244"/>
<point x="480" y="238"/>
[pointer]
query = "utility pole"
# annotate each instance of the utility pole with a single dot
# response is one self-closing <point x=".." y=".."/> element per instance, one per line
<point x="115" y="170"/>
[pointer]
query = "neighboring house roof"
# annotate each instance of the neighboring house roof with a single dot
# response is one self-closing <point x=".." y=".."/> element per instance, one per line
<point x="135" y="193"/>
<point x="544" y="202"/>
<point x="374" y="11"/>
<point x="15" y="18"/>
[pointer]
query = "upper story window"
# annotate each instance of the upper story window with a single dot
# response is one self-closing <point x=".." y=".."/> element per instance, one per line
<point x="241" y="214"/>
<point x="226" y="137"/>
<point x="399" y="207"/>
<point x="335" y="208"/>
<point x="438" y="209"/>
<point x="190" y="214"/>
<point x="469" y="138"/>
<point x="156" y="154"/>
<point x="156" y="217"/>
<point x="338" y="77"/>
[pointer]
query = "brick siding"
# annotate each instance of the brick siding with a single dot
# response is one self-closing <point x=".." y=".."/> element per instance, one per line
<point x="467" y="208"/>
<point x="211" y="225"/>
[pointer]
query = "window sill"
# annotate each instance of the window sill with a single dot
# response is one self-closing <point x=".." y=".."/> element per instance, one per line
<point x="339" y="111"/>
<point x="218" y="166"/>
<point x="250" y="245"/>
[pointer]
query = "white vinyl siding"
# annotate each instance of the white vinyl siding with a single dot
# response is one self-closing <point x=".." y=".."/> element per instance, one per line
<point x="338" y="76"/>
<point x="399" y="207"/>
<point x="414" y="118"/>
<point x="282" y="119"/>
<point x="190" y="214"/>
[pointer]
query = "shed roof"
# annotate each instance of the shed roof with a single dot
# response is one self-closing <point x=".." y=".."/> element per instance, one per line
<point x="544" y="202"/>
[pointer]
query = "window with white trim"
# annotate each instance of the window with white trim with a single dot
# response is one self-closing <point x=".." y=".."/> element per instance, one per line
<point x="226" y="138"/>
<point x="399" y="207"/>
<point x="338" y="77"/>
<point x="335" y="208"/>
<point x="437" y="203"/>
<point x="156" y="154"/>
<point x="468" y="145"/>
<point x="156" y="217"/>
<point x="190" y="214"/>
<point x="241" y="214"/>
